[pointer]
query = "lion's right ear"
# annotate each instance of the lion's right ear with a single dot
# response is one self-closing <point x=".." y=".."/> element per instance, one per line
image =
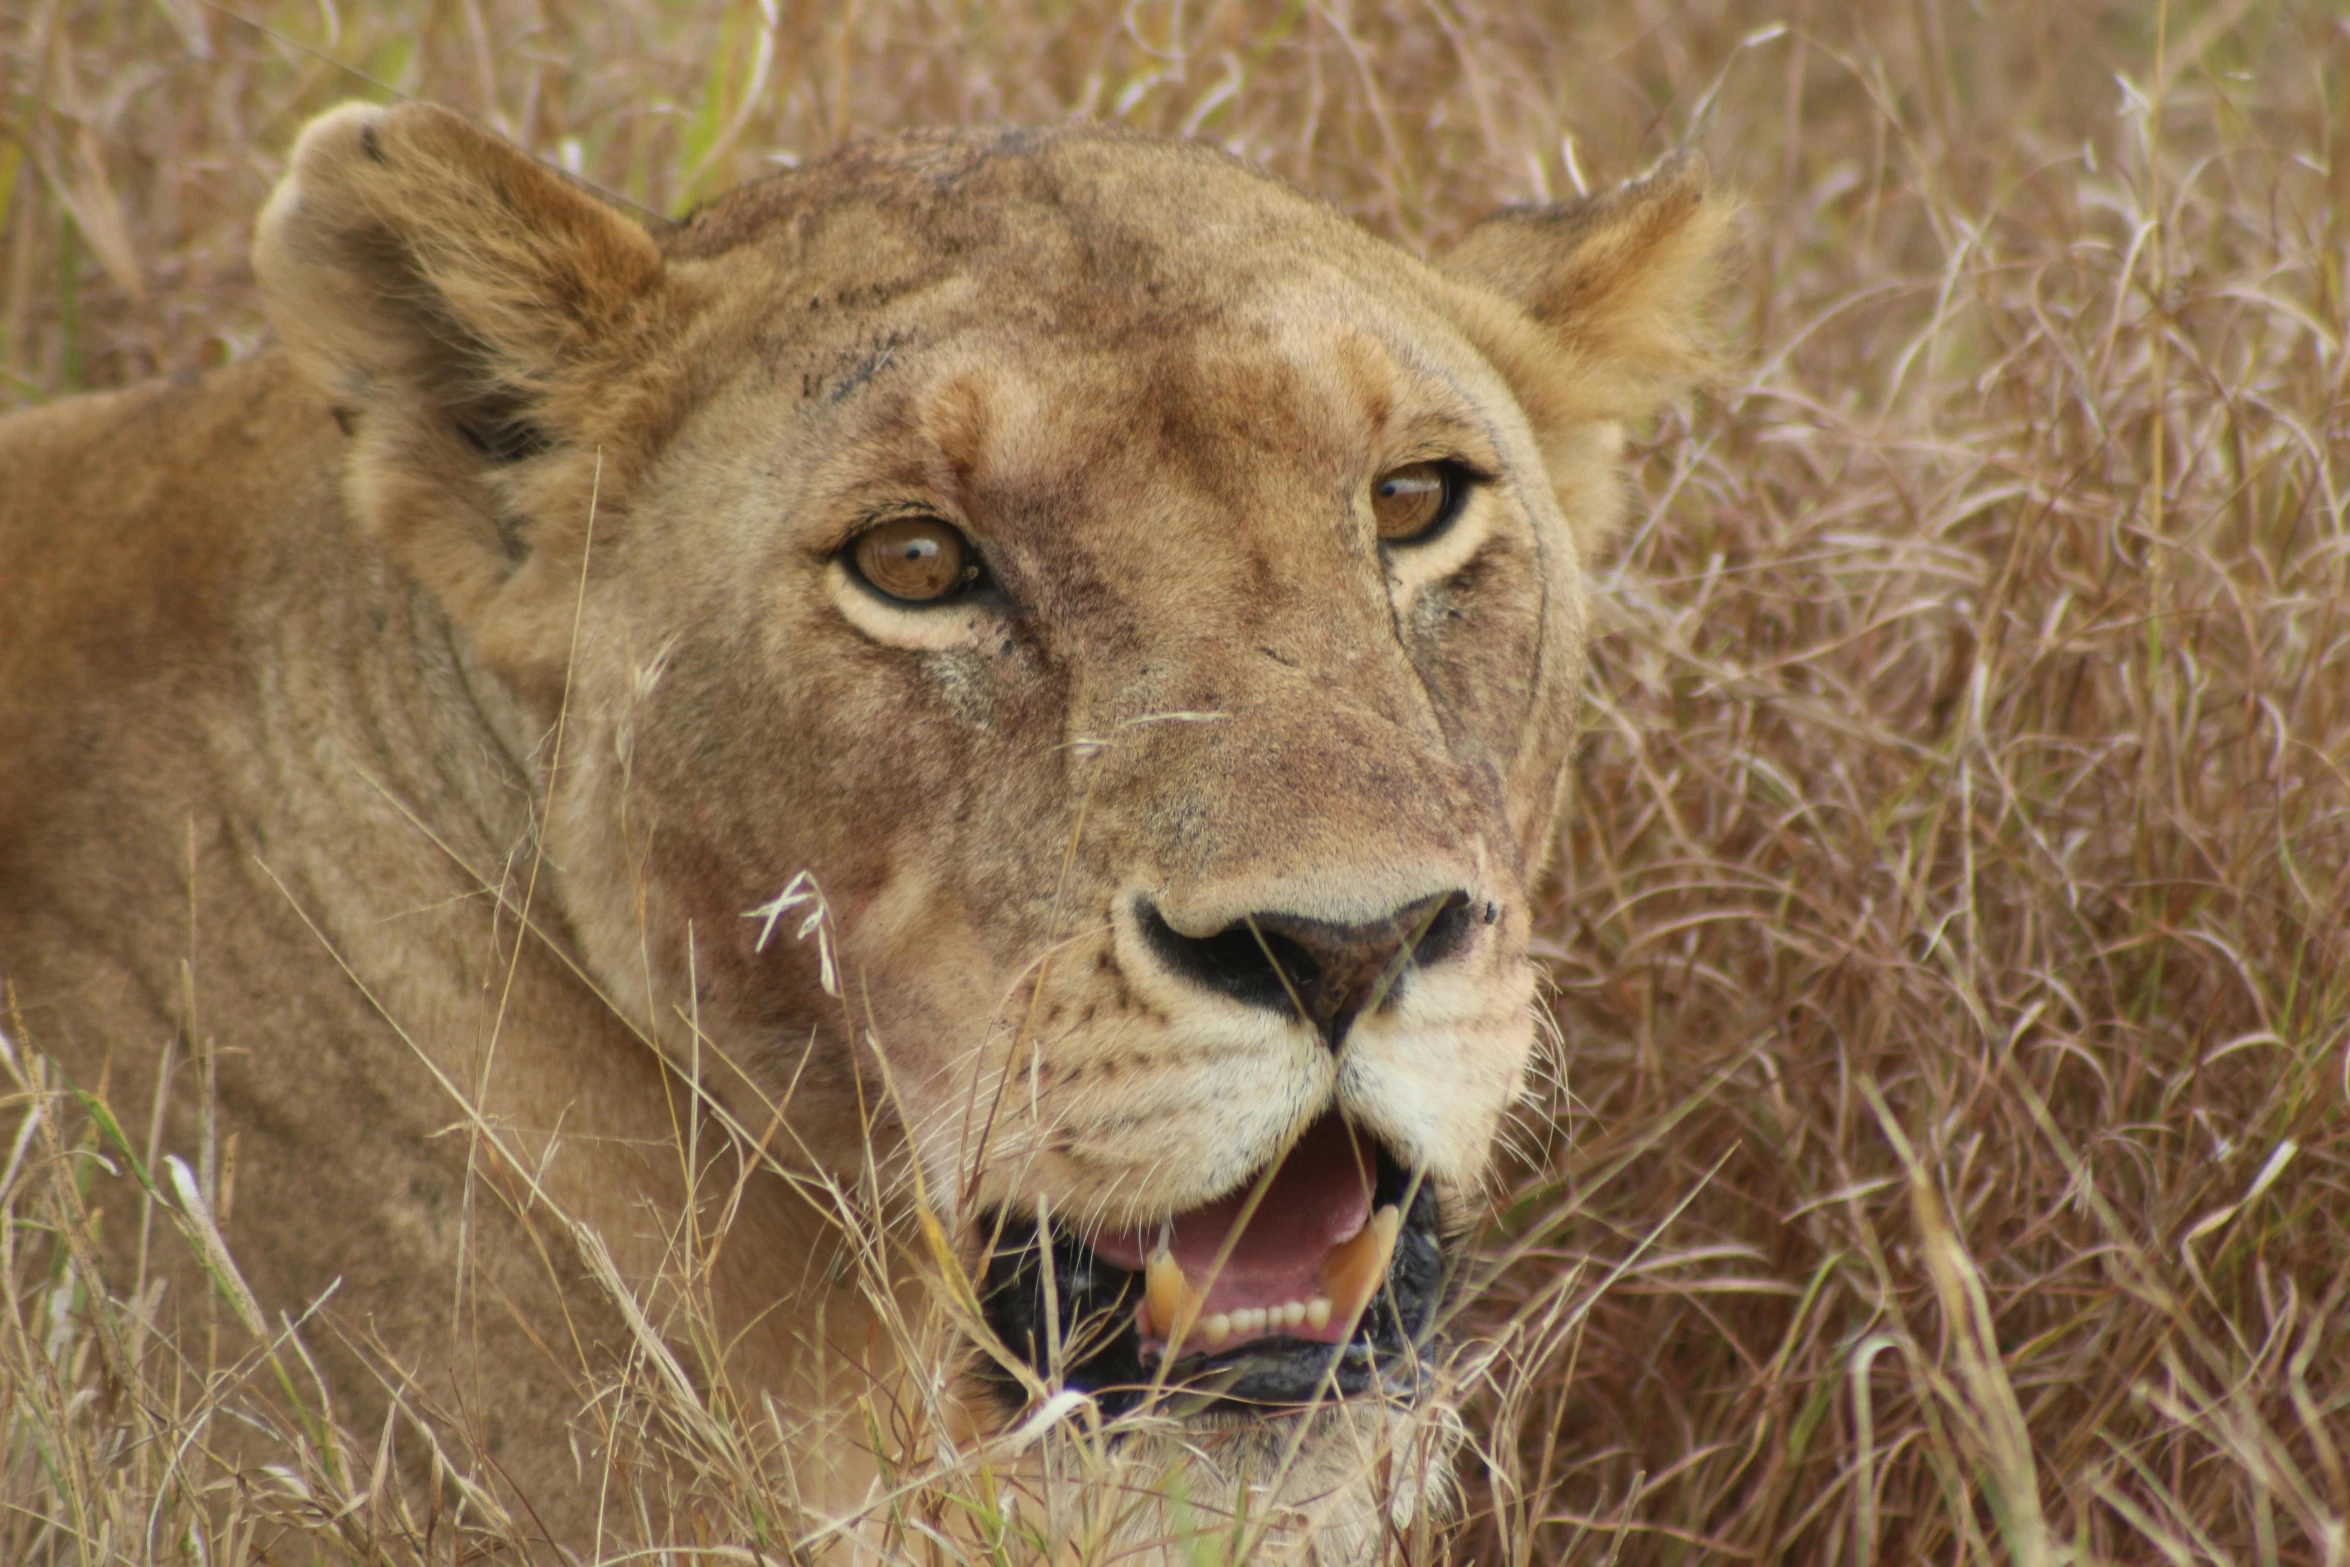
<point x="1611" y="321"/>
<point x="474" y="314"/>
<point x="1618" y="281"/>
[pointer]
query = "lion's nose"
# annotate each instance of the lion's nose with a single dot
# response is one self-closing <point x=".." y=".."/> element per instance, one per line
<point x="1327" y="973"/>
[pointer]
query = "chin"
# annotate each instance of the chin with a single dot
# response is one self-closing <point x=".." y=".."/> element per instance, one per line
<point x="1345" y="1485"/>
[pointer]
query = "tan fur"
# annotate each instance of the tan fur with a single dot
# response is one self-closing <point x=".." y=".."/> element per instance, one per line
<point x="512" y="578"/>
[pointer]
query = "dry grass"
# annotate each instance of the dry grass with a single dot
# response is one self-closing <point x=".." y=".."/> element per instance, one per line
<point x="1952" y="955"/>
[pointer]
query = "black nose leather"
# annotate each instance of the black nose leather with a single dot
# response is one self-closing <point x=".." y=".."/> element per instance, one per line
<point x="1326" y="973"/>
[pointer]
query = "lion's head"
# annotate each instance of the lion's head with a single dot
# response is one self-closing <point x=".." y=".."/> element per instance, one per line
<point x="1125" y="617"/>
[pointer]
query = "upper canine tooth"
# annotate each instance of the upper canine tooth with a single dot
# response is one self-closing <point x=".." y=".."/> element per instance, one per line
<point x="1174" y="1304"/>
<point x="1352" y="1273"/>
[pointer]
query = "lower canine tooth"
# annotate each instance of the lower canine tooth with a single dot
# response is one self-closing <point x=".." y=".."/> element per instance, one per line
<point x="1351" y="1274"/>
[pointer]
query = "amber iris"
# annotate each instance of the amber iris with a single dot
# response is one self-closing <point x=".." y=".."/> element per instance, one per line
<point x="1412" y="501"/>
<point x="918" y="559"/>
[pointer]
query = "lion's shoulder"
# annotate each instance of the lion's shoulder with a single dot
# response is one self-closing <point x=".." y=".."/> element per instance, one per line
<point x="143" y="531"/>
<point x="130" y="519"/>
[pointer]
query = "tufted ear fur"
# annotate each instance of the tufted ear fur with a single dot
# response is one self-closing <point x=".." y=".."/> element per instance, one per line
<point x="1613" y="289"/>
<point x="473" y="318"/>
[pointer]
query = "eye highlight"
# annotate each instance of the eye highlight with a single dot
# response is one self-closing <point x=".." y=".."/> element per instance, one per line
<point x="1416" y="502"/>
<point x="915" y="560"/>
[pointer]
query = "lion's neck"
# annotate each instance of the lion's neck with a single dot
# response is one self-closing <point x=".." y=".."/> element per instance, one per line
<point x="318" y="809"/>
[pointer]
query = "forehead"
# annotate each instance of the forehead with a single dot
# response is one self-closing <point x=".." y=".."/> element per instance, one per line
<point x="1295" y="385"/>
<point x="1160" y="261"/>
<point x="1085" y="204"/>
<point x="1062" y="316"/>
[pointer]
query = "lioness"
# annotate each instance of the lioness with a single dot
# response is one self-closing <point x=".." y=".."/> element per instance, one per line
<point x="1014" y="683"/>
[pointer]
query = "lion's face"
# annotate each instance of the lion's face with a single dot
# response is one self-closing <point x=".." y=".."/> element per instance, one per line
<point x="1151" y="674"/>
<point x="1122" y="625"/>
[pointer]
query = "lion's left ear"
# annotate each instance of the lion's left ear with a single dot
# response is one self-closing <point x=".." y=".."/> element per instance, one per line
<point x="477" y="322"/>
<point x="1612" y="293"/>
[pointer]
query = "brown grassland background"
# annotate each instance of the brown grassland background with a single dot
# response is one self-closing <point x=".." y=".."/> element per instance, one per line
<point x="1949" y="1158"/>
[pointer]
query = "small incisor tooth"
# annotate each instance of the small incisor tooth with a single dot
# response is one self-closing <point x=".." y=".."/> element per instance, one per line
<point x="1173" y="1303"/>
<point x="1353" y="1271"/>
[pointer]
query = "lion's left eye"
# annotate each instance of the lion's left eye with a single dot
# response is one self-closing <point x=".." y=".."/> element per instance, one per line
<point x="1416" y="502"/>
<point x="915" y="560"/>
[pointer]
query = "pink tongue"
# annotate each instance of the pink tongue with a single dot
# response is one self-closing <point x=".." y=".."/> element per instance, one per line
<point x="1321" y="1195"/>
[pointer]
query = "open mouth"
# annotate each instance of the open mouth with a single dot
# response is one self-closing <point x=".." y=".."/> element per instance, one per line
<point x="1318" y="1280"/>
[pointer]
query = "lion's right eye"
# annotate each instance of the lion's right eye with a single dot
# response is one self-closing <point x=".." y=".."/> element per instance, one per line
<point x="915" y="560"/>
<point x="1415" y="503"/>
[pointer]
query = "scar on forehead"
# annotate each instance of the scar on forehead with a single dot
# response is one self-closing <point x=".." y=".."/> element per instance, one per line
<point x="1413" y="407"/>
<point x="1371" y="375"/>
<point x="984" y="418"/>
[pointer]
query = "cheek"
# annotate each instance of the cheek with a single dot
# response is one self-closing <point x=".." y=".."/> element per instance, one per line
<point x="737" y="783"/>
<point x="1478" y="645"/>
<point x="921" y="793"/>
